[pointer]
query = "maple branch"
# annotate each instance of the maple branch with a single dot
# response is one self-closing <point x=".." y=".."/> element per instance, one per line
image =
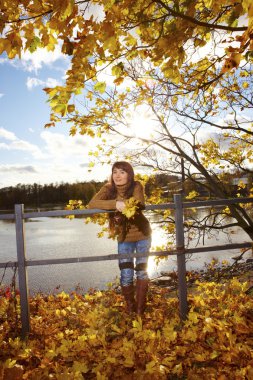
<point x="200" y="23"/>
<point x="25" y="19"/>
<point x="207" y="84"/>
<point x="202" y="120"/>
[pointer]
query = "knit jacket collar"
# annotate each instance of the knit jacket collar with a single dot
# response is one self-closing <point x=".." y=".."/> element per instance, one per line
<point x="121" y="190"/>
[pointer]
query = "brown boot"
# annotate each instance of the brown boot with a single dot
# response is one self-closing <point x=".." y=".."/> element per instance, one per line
<point x="128" y="293"/>
<point x="141" y="293"/>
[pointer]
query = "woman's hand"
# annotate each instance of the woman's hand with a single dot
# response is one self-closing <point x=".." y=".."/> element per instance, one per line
<point x="120" y="205"/>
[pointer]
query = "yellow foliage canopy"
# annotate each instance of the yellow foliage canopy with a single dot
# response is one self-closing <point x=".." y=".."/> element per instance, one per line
<point x="160" y="32"/>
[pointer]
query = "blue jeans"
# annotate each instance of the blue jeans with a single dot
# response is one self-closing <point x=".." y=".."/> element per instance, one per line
<point x="127" y="265"/>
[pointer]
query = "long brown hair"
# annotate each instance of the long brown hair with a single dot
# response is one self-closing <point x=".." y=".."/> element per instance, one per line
<point x="117" y="221"/>
<point x="124" y="165"/>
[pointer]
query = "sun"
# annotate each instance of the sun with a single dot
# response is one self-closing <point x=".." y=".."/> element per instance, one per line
<point x="141" y="124"/>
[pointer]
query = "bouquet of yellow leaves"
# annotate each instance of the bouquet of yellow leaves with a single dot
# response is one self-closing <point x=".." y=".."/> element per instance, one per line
<point x="131" y="206"/>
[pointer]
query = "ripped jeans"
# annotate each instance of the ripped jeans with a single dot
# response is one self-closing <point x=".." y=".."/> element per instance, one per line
<point x="126" y="265"/>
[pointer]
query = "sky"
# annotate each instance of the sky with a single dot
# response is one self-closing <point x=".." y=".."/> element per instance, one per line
<point x="29" y="153"/>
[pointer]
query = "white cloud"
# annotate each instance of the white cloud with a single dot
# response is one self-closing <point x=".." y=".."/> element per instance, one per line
<point x="61" y="146"/>
<point x="1" y="95"/>
<point x="66" y="159"/>
<point x="12" y="174"/>
<point x="4" y="146"/>
<point x="57" y="147"/>
<point x="34" y="82"/>
<point x="49" y="172"/>
<point x="17" y="169"/>
<point x="35" y="61"/>
<point x="94" y="10"/>
<point x="19" y="145"/>
<point x="52" y="82"/>
<point x="27" y="147"/>
<point x="7" y="135"/>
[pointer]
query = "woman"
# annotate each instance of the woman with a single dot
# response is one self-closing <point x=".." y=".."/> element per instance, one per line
<point x="133" y="234"/>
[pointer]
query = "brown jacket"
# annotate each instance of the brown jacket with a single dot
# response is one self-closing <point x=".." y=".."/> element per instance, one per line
<point x="133" y="229"/>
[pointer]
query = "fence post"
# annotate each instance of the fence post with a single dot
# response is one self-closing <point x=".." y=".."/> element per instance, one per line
<point x="22" y="273"/>
<point x="182" y="286"/>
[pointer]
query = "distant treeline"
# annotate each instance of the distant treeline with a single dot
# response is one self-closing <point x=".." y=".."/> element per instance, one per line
<point x="42" y="195"/>
<point x="36" y="195"/>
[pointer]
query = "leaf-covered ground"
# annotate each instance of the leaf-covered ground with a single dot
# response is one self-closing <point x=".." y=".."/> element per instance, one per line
<point x="91" y="337"/>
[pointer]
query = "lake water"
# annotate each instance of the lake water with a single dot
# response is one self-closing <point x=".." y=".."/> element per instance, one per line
<point x="60" y="237"/>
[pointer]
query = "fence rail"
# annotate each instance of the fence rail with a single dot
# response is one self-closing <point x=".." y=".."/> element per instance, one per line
<point x="22" y="263"/>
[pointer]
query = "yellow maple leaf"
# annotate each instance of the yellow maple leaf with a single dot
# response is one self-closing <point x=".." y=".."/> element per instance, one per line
<point x="192" y="194"/>
<point x="200" y="357"/>
<point x="151" y="367"/>
<point x="191" y="335"/>
<point x="193" y="317"/>
<point x="9" y="363"/>
<point x="137" y="324"/>
<point x="80" y="367"/>
<point x="131" y="206"/>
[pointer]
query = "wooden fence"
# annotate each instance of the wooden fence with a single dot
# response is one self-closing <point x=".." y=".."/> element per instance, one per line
<point x="178" y="205"/>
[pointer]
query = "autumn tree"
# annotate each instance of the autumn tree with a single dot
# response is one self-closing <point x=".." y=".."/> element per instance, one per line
<point x="98" y="35"/>
<point x="185" y="65"/>
<point x="211" y="133"/>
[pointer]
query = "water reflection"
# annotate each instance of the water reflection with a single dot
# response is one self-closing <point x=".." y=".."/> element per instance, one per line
<point x="159" y="242"/>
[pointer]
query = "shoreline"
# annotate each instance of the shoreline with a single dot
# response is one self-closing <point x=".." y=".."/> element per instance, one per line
<point x="216" y="273"/>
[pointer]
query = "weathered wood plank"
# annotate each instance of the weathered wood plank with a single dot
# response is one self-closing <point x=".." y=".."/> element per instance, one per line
<point x="181" y="265"/>
<point x="22" y="272"/>
<point x="86" y="259"/>
<point x="162" y="206"/>
<point x="7" y="216"/>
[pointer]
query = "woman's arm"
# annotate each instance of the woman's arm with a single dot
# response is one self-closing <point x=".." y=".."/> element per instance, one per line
<point x="99" y="200"/>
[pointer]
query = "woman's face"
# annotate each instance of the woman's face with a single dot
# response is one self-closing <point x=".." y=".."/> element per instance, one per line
<point x="119" y="176"/>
